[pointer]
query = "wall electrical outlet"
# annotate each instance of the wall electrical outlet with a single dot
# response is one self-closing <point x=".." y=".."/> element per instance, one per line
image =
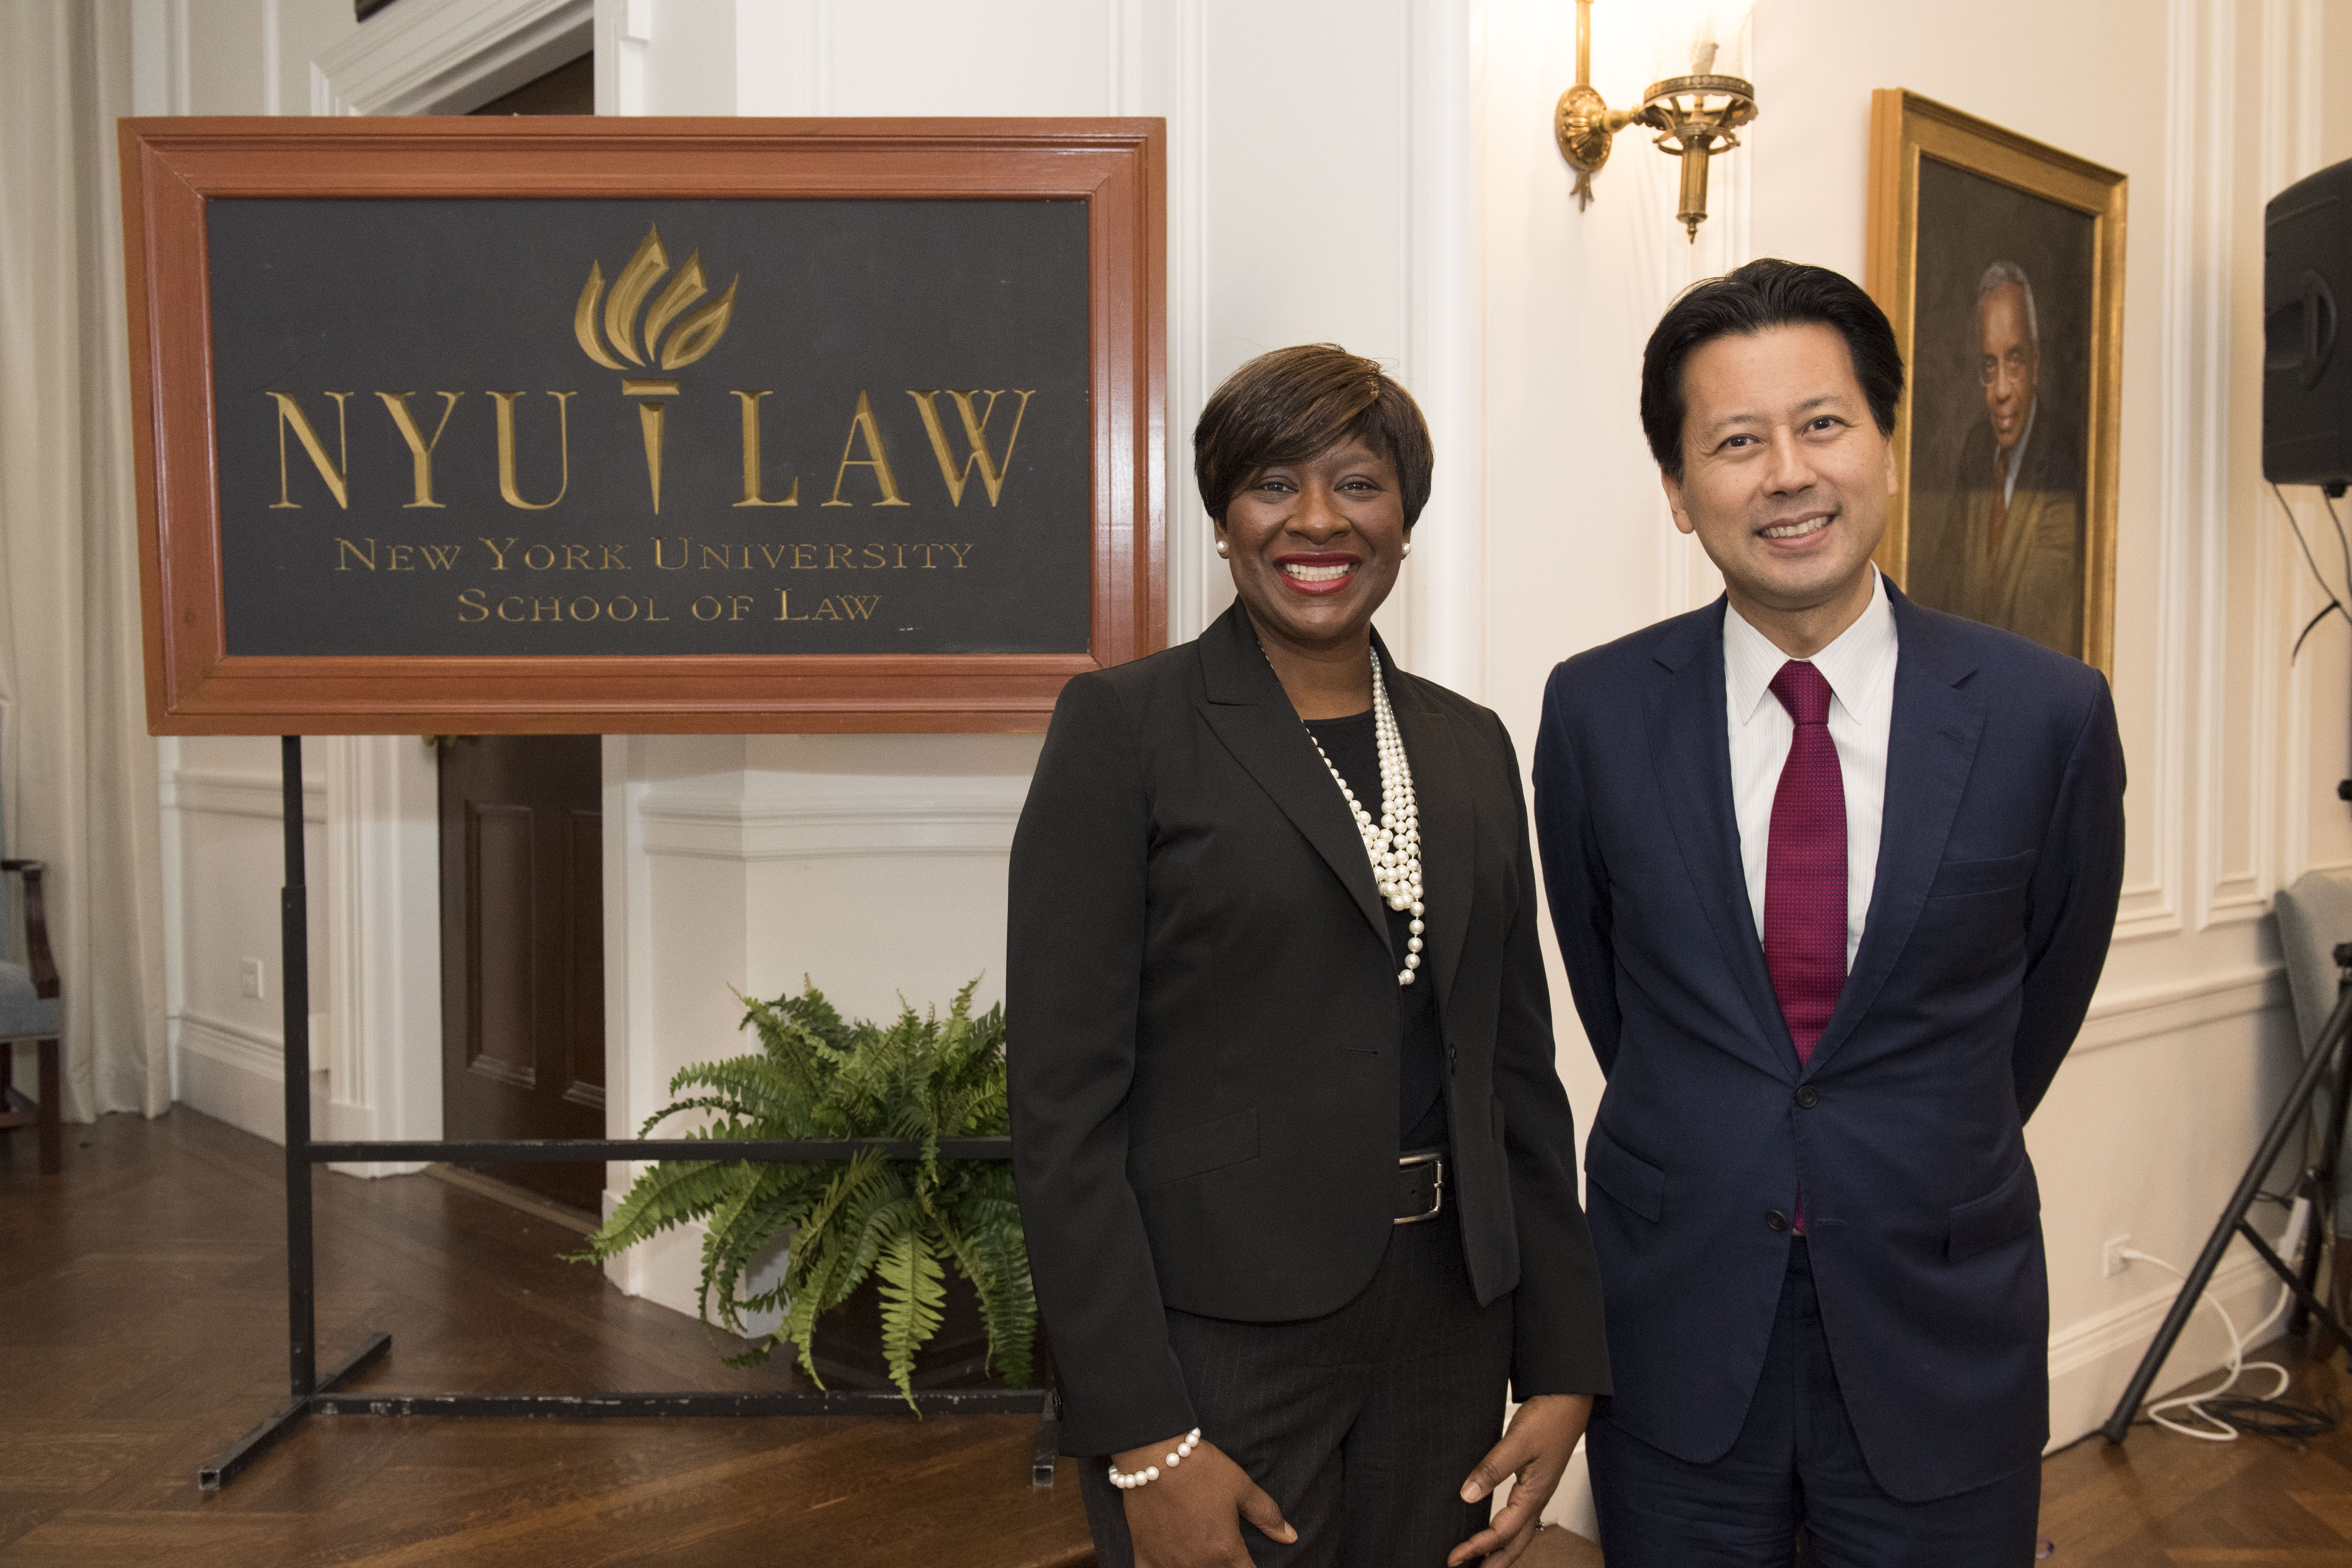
<point x="2111" y="1260"/>
<point x="249" y="974"/>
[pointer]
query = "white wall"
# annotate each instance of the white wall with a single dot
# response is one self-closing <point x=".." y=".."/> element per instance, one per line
<point x="1381" y="173"/>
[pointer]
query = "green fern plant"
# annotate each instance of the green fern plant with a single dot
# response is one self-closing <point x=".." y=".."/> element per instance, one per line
<point x="923" y="1078"/>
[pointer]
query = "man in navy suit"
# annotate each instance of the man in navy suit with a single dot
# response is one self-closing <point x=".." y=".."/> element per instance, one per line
<point x="1833" y="876"/>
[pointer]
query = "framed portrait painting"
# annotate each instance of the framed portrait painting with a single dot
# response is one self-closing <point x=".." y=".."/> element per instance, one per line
<point x="2001" y="262"/>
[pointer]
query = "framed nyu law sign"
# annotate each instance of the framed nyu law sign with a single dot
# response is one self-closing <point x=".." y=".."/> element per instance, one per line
<point x="632" y="425"/>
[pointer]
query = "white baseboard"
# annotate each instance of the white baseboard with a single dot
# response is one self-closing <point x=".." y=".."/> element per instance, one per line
<point x="229" y="1073"/>
<point x="238" y="1075"/>
<point x="2092" y="1361"/>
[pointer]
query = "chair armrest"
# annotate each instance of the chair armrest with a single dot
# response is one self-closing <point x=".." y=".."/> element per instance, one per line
<point x="37" y="958"/>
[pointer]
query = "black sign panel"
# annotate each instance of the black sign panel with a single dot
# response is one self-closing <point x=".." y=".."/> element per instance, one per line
<point x="587" y="427"/>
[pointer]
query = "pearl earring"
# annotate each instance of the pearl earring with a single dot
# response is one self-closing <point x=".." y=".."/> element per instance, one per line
<point x="1408" y="547"/>
<point x="1221" y="550"/>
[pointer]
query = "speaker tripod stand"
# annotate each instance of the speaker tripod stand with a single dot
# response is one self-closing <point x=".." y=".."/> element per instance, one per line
<point x="2318" y="1185"/>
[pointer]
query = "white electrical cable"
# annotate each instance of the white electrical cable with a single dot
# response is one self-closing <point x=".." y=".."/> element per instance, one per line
<point x="2215" y="1429"/>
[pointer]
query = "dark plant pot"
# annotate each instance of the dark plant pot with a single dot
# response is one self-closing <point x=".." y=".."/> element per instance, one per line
<point x="847" y="1347"/>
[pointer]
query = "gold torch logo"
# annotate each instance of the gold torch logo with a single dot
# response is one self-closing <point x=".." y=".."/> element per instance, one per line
<point x="692" y="333"/>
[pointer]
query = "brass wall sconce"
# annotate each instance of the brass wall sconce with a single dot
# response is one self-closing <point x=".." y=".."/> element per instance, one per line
<point x="1695" y="116"/>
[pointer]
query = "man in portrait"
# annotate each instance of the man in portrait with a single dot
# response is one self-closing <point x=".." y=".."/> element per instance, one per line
<point x="2010" y="551"/>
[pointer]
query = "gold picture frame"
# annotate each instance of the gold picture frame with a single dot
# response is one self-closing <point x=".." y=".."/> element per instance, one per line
<point x="1965" y="434"/>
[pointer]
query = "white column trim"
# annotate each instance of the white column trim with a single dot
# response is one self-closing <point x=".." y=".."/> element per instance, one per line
<point x="381" y="991"/>
<point x="1444" y="308"/>
<point x="1190" y="559"/>
<point x="445" y="57"/>
<point x="2291" y="143"/>
<point x="2218" y="897"/>
<point x="2153" y="907"/>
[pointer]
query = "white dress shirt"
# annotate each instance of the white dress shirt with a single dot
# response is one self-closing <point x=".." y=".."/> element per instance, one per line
<point x="1860" y="669"/>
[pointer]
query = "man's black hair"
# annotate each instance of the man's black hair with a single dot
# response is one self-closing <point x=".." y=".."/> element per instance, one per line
<point x="1759" y="296"/>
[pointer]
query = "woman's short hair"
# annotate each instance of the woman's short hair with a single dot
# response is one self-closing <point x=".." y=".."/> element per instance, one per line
<point x="1760" y="296"/>
<point x="1299" y="403"/>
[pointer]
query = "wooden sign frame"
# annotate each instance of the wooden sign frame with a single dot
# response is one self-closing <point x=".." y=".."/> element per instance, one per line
<point x="173" y="167"/>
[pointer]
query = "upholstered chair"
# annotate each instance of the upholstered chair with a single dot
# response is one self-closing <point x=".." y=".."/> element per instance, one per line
<point x="30" y="1009"/>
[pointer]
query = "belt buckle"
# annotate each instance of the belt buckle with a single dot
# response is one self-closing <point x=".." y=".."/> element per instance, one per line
<point x="1437" y="1184"/>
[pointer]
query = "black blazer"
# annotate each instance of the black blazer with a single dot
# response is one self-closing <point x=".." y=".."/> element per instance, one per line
<point x="1999" y="866"/>
<point x="1203" y="1026"/>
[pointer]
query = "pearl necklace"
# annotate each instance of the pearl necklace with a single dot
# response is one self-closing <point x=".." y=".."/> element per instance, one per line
<point x="1394" y="843"/>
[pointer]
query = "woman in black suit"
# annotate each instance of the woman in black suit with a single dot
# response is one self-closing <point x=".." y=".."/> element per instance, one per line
<point x="1293" y="1158"/>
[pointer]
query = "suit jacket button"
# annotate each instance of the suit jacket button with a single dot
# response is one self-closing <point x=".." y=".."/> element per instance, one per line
<point x="1808" y="1097"/>
<point x="1774" y="1220"/>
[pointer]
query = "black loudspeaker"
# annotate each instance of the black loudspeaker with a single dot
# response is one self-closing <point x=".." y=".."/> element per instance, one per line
<point x="2306" y="371"/>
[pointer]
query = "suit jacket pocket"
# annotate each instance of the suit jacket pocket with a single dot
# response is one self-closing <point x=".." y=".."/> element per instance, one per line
<point x="2011" y="1210"/>
<point x="1955" y="878"/>
<point x="1625" y="1176"/>
<point x="1194" y="1151"/>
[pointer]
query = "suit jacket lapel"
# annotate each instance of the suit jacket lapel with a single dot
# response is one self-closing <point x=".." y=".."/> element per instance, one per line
<point x="1247" y="710"/>
<point x="1690" y="750"/>
<point x="1931" y="745"/>
<point x="1449" y="829"/>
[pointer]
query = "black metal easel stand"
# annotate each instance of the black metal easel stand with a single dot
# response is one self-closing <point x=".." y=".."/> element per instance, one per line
<point x="2317" y="1183"/>
<point x="311" y="1394"/>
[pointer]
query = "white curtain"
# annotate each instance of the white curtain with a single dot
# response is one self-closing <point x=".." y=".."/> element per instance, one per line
<point x="78" y="771"/>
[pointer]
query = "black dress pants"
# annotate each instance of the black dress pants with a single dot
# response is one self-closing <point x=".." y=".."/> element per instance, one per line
<point x="1796" y="1463"/>
<point x="1361" y="1425"/>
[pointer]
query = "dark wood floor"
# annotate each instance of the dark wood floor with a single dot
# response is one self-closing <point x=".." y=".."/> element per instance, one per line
<point x="2164" y="1498"/>
<point x="142" y="1326"/>
<point x="142" y="1315"/>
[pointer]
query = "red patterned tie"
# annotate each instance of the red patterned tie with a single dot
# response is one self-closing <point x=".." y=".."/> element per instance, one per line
<point x="1804" y="877"/>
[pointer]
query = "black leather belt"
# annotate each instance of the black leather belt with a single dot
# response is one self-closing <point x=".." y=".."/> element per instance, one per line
<point x="1421" y="1186"/>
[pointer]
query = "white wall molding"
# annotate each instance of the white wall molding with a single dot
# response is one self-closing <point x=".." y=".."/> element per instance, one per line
<point x="232" y="1044"/>
<point x="445" y="57"/>
<point x="222" y="794"/>
<point x="2219" y="893"/>
<point x="2153" y="907"/>
<point x="978" y="821"/>
<point x="2161" y="1010"/>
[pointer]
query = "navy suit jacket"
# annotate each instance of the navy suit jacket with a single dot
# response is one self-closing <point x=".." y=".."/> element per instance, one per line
<point x="1999" y="867"/>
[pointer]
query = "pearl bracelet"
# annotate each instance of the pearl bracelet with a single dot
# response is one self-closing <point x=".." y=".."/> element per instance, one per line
<point x="1134" y="1478"/>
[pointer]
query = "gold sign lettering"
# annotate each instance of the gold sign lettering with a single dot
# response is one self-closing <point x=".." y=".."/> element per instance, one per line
<point x="649" y="424"/>
<point x="337" y="474"/>
<point x="861" y="423"/>
<point x="974" y="429"/>
<point x="751" y="485"/>
<point x="420" y="450"/>
<point x="507" y="485"/>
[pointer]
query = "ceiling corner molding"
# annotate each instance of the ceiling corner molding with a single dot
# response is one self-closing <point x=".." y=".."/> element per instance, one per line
<point x="447" y="57"/>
